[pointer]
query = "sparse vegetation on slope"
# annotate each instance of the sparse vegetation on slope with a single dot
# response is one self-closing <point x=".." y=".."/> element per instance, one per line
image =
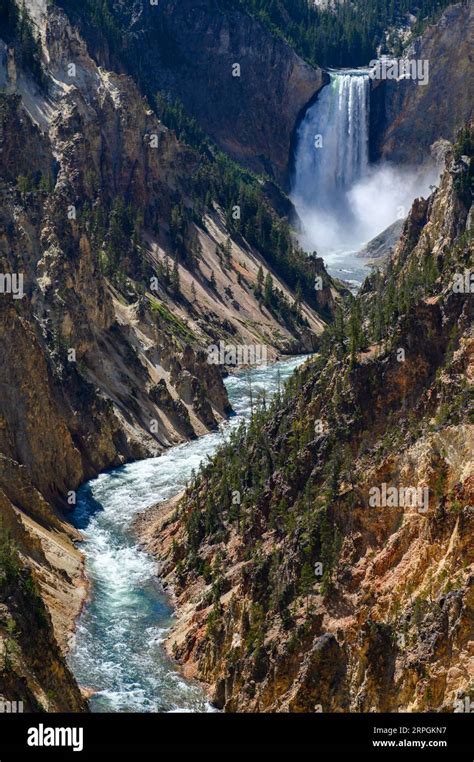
<point x="346" y="34"/>
<point x="276" y="541"/>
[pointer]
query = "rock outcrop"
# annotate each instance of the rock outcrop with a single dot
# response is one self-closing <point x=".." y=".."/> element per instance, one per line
<point x="42" y="589"/>
<point x="383" y="245"/>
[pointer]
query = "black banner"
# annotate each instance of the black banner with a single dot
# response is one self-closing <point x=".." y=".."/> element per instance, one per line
<point x="90" y="736"/>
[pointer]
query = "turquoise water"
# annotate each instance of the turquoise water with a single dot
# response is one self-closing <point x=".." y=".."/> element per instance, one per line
<point x="118" y="650"/>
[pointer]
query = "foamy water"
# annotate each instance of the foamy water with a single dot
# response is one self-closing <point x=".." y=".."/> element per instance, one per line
<point x="342" y="200"/>
<point x="118" y="651"/>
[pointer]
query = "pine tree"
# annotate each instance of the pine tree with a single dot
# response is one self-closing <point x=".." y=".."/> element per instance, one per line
<point x="339" y="328"/>
<point x="355" y="330"/>
<point x="166" y="271"/>
<point x="175" y="281"/>
<point x="306" y="581"/>
<point x="259" y="287"/>
<point x="430" y="269"/>
<point x="227" y="250"/>
<point x="298" y="298"/>
<point x="268" y="290"/>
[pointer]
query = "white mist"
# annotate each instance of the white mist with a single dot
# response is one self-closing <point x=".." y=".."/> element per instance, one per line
<point x="343" y="201"/>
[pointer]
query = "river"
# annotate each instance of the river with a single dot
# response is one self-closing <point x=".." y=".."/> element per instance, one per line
<point x="118" y="646"/>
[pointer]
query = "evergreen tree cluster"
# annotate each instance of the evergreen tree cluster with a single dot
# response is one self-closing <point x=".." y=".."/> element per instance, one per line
<point x="347" y="35"/>
<point x="16" y="28"/>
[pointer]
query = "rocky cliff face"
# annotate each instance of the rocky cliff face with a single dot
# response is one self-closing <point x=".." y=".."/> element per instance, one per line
<point x="192" y="49"/>
<point x="115" y="280"/>
<point x="299" y="585"/>
<point x="407" y="117"/>
<point x="383" y="245"/>
<point x="41" y="591"/>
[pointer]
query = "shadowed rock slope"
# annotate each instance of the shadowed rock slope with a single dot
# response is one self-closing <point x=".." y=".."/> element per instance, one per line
<point x="407" y="118"/>
<point x="189" y="50"/>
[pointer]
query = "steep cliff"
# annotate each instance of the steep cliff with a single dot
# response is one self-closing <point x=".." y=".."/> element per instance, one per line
<point x="120" y="267"/>
<point x="408" y="117"/>
<point x="324" y="560"/>
<point x="124" y="288"/>
<point x="41" y="590"/>
<point x="191" y="50"/>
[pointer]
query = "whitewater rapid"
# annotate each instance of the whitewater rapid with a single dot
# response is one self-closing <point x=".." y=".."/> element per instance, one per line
<point x="118" y="651"/>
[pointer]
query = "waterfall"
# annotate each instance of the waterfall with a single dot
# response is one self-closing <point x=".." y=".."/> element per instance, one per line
<point x="331" y="156"/>
<point x="343" y="201"/>
<point x="332" y="141"/>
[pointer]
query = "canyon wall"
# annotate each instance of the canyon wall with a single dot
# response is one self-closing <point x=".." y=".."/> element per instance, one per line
<point x="408" y="117"/>
<point x="127" y="279"/>
<point x="304" y="594"/>
<point x="190" y="49"/>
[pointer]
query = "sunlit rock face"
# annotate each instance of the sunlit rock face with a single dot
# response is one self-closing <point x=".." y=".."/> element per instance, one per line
<point x="408" y="117"/>
<point x="245" y="87"/>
